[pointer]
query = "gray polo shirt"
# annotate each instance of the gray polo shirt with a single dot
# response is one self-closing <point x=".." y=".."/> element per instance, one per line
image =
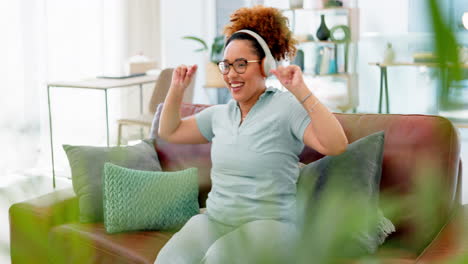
<point x="255" y="164"/>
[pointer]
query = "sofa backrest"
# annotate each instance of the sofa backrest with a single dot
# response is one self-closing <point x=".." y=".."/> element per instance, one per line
<point x="174" y="157"/>
<point x="416" y="147"/>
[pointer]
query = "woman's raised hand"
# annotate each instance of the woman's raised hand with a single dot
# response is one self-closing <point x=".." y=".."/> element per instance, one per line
<point x="182" y="77"/>
<point x="290" y="77"/>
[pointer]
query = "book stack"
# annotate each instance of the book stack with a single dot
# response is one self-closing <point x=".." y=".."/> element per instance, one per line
<point x="330" y="59"/>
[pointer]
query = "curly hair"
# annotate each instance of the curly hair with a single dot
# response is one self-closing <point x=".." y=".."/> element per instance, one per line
<point x="269" y="23"/>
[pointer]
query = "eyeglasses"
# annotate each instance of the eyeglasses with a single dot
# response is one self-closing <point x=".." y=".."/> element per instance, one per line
<point x="239" y="65"/>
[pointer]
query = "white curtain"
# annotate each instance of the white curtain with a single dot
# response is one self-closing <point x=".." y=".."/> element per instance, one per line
<point x="47" y="40"/>
<point x="23" y="49"/>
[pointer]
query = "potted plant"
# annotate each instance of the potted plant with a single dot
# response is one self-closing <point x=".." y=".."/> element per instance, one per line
<point x="213" y="77"/>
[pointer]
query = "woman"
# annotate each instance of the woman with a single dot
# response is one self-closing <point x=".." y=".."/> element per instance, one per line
<point x="256" y="139"/>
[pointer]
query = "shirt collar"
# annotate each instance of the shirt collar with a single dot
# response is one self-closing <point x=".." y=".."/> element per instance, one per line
<point x="269" y="90"/>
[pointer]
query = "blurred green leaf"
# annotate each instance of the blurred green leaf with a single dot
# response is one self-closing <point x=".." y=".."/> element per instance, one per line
<point x="216" y="47"/>
<point x="199" y="40"/>
<point x="446" y="48"/>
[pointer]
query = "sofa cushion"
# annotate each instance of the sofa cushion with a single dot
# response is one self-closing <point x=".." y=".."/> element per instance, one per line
<point x="87" y="163"/>
<point x="90" y="243"/>
<point x="338" y="197"/>
<point x="148" y="200"/>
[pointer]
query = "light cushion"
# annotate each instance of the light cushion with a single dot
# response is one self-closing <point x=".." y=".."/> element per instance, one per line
<point x="87" y="163"/>
<point x="148" y="200"/>
<point x="338" y="199"/>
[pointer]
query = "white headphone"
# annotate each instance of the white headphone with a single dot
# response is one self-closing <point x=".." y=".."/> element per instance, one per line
<point x="269" y="61"/>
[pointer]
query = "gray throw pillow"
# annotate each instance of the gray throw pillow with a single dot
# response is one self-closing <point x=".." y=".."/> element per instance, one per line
<point x="87" y="163"/>
<point x="338" y="199"/>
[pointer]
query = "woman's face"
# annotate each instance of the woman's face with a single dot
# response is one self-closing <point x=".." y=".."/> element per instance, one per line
<point x="245" y="86"/>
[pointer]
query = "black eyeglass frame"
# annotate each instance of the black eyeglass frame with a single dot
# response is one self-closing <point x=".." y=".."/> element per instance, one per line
<point x="229" y="65"/>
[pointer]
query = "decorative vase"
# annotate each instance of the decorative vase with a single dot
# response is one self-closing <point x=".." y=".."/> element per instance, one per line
<point x="323" y="33"/>
<point x="389" y="55"/>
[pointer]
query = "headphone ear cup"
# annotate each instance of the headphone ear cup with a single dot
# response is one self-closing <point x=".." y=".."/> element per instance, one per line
<point x="268" y="64"/>
<point x="264" y="67"/>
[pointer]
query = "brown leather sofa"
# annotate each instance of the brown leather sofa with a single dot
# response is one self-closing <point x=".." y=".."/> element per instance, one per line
<point x="47" y="230"/>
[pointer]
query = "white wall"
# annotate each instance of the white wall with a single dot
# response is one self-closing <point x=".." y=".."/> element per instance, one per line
<point x="384" y="17"/>
<point x="142" y="36"/>
<point x="181" y="18"/>
<point x="144" y="31"/>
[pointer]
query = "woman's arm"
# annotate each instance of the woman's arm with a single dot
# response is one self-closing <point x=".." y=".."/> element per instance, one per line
<point x="171" y="127"/>
<point x="324" y="133"/>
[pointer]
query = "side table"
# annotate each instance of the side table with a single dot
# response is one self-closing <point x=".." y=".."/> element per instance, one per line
<point x="101" y="84"/>
<point x="444" y="82"/>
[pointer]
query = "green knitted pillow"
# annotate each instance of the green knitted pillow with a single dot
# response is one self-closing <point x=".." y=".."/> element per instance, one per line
<point x="148" y="200"/>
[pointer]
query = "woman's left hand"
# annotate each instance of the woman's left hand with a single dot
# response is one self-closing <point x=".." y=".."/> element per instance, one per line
<point x="290" y="77"/>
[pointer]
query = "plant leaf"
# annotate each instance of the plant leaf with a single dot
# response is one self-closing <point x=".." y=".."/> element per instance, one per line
<point x="445" y="47"/>
<point x="199" y="40"/>
<point x="217" y="48"/>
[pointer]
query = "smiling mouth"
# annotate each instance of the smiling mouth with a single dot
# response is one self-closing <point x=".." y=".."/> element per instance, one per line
<point x="235" y="87"/>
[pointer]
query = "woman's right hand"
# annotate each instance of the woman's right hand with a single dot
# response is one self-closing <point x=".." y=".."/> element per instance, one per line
<point x="182" y="77"/>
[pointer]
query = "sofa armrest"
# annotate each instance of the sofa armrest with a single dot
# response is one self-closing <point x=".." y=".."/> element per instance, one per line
<point x="31" y="221"/>
<point x="451" y="242"/>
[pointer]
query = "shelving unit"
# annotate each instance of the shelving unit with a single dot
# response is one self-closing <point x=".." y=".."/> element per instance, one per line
<point x="348" y="69"/>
